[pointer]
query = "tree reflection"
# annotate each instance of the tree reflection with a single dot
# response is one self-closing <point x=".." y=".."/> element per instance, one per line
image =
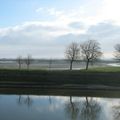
<point x="50" y="100"/>
<point x="24" y="100"/>
<point x="20" y="100"/>
<point x="116" y="112"/>
<point x="28" y="101"/>
<point x="72" y="109"/>
<point x="87" y="109"/>
<point x="90" y="109"/>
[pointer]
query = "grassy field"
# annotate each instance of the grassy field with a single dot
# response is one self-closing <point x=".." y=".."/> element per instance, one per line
<point x="103" y="69"/>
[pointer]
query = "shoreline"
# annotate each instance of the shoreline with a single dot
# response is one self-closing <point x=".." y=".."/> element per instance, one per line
<point x="61" y="92"/>
<point x="36" y="85"/>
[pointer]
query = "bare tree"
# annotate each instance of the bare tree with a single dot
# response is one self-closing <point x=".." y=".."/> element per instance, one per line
<point x="90" y="51"/>
<point x="19" y="61"/>
<point x="117" y="52"/>
<point x="72" y="53"/>
<point x="28" y="61"/>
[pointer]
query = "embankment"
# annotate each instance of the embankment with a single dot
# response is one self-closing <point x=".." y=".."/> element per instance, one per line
<point x="59" y="79"/>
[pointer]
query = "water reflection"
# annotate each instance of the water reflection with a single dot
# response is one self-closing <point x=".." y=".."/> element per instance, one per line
<point x="14" y="107"/>
<point x="116" y="111"/>
<point x="72" y="109"/>
<point x="50" y="99"/>
<point x="86" y="109"/>
<point x="90" y="109"/>
<point x="27" y="100"/>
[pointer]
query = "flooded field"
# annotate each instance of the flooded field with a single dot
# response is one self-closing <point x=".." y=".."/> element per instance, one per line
<point x="53" y="64"/>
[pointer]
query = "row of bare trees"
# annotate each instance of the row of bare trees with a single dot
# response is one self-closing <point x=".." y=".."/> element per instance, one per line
<point x="89" y="51"/>
<point x="28" y="60"/>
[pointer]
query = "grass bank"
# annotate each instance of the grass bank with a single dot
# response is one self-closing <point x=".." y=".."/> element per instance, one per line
<point x="103" y="69"/>
<point x="109" y="76"/>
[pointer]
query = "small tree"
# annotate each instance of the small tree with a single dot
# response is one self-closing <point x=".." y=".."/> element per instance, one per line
<point x="72" y="53"/>
<point x="117" y="52"/>
<point x="28" y="61"/>
<point x="19" y="61"/>
<point x="90" y="51"/>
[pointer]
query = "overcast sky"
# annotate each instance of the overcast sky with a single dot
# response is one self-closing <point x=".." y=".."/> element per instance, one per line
<point x="43" y="28"/>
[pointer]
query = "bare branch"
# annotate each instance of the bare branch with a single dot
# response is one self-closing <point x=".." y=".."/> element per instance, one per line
<point x="90" y="51"/>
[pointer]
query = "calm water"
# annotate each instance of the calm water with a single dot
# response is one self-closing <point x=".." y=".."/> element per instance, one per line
<point x="24" y="107"/>
<point x="54" y="65"/>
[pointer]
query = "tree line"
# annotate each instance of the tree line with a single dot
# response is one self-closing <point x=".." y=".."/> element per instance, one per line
<point x="89" y="51"/>
<point x="28" y="60"/>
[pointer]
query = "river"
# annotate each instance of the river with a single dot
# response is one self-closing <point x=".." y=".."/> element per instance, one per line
<point x="49" y="107"/>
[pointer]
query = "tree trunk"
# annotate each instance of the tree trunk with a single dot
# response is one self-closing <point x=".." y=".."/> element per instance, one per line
<point x="28" y="67"/>
<point x="19" y="66"/>
<point x="87" y="64"/>
<point x="71" y="62"/>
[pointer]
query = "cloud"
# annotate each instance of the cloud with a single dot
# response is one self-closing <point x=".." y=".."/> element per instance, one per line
<point x="107" y="34"/>
<point x="105" y="30"/>
<point x="39" y="10"/>
<point x="31" y="32"/>
<point x="49" y="40"/>
<point x="109" y="11"/>
<point x="50" y="11"/>
<point x="36" y="38"/>
<point x="85" y="14"/>
<point x="77" y="25"/>
<point x="64" y="17"/>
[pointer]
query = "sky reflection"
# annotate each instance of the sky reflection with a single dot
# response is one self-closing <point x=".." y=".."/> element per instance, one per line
<point x="29" y="107"/>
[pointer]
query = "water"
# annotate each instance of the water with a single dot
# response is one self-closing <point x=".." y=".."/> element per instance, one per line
<point x="50" y="65"/>
<point x="114" y="64"/>
<point x="37" y="107"/>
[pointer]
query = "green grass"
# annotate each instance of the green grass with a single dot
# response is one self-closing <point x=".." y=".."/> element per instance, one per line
<point x="103" y="69"/>
<point x="97" y="76"/>
<point x="95" y="69"/>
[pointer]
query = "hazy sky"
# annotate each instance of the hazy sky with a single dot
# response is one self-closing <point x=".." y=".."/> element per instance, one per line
<point x="43" y="28"/>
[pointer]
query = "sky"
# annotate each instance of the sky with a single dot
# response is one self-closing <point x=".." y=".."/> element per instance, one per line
<point x="44" y="28"/>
